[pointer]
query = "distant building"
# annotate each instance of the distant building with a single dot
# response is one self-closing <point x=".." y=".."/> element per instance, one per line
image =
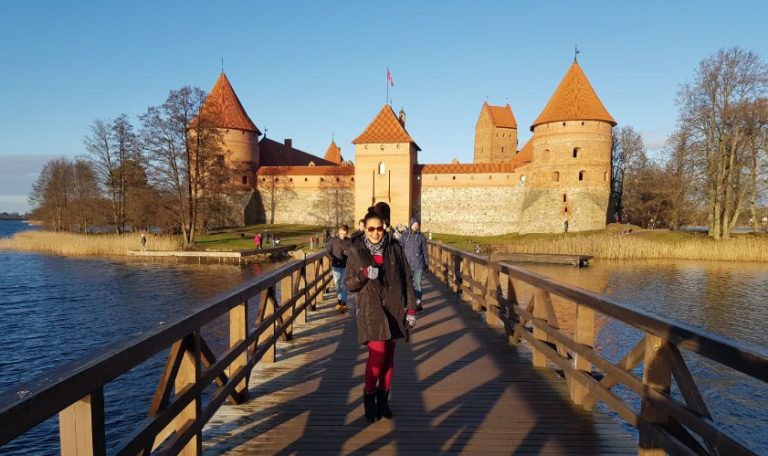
<point x="561" y="173"/>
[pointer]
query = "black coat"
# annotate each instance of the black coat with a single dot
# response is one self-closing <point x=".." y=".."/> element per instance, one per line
<point x="382" y="303"/>
<point x="336" y="249"/>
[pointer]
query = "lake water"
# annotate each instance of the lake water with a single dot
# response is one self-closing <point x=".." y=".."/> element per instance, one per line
<point x="55" y="309"/>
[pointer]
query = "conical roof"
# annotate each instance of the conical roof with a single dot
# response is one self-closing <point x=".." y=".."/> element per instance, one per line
<point x="574" y="99"/>
<point x="385" y="128"/>
<point x="333" y="154"/>
<point x="223" y="108"/>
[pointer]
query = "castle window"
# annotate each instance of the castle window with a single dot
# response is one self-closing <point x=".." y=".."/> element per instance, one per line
<point x="566" y="210"/>
<point x="290" y="179"/>
<point x="556" y="176"/>
<point x="502" y="149"/>
<point x="563" y="123"/>
<point x="263" y="179"/>
<point x="245" y="180"/>
<point x="311" y="163"/>
<point x="522" y="178"/>
<point x="306" y="179"/>
<point x="337" y="179"/>
<point x="582" y="175"/>
<point x="382" y="168"/>
<point x="454" y="177"/>
<point x="582" y="123"/>
<point x="351" y="179"/>
<point x="576" y="152"/>
<point x="565" y="198"/>
<point x="605" y="176"/>
<point x="220" y="160"/>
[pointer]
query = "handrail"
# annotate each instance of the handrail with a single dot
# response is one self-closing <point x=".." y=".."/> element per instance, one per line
<point x="665" y="424"/>
<point x="75" y="390"/>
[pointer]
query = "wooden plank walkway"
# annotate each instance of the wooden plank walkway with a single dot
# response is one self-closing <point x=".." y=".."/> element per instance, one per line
<point x="458" y="388"/>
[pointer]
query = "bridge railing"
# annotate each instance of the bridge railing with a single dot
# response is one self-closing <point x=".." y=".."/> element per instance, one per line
<point x="665" y="423"/>
<point x="177" y="412"/>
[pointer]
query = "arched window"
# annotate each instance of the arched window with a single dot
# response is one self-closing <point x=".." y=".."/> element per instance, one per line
<point x="576" y="152"/>
<point x="311" y="163"/>
<point x="582" y="175"/>
<point x="556" y="176"/>
<point x="382" y="168"/>
<point x="605" y="176"/>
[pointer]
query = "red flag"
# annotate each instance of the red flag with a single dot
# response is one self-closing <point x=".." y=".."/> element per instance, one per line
<point x="389" y="78"/>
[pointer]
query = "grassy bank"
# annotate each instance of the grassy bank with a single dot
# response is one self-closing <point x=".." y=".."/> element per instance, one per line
<point x="611" y="244"/>
<point x="241" y="238"/>
<point x="73" y="244"/>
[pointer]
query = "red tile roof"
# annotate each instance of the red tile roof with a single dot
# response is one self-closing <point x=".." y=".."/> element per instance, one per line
<point x="385" y="128"/>
<point x="273" y="153"/>
<point x="525" y="155"/>
<point x="501" y="116"/>
<point x="574" y="99"/>
<point x="343" y="170"/>
<point x="333" y="154"/>
<point x="223" y="108"/>
<point x="466" y="168"/>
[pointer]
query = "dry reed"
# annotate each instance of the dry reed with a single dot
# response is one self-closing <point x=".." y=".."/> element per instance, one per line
<point x="73" y="244"/>
<point x="630" y="247"/>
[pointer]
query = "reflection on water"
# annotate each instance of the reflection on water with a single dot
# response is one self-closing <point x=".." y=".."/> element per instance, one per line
<point x="730" y="299"/>
<point x="56" y="309"/>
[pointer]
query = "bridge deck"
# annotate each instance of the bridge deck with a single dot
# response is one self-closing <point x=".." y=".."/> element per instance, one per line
<point x="458" y="388"/>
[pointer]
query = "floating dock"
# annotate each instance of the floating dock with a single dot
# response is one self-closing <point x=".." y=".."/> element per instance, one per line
<point x="244" y="256"/>
<point x="545" y="258"/>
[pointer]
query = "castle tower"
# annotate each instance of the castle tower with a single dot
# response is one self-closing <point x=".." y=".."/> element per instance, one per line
<point x="240" y="136"/>
<point x="571" y="167"/>
<point x="495" y="134"/>
<point x="385" y="155"/>
<point x="333" y="154"/>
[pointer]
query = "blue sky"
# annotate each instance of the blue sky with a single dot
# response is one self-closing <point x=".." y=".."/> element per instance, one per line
<point x="304" y="70"/>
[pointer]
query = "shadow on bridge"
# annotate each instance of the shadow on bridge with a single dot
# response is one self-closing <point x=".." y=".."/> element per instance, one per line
<point x="458" y="388"/>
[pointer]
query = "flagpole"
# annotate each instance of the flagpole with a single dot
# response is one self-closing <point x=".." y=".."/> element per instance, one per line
<point x="387" y="83"/>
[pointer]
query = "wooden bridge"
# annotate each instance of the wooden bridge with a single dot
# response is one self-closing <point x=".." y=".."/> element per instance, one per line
<point x="501" y="362"/>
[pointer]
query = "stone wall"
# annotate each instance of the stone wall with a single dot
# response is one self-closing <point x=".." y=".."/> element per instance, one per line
<point x="326" y="206"/>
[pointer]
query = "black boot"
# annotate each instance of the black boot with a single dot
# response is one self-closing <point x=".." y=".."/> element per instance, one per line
<point x="382" y="404"/>
<point x="369" y="401"/>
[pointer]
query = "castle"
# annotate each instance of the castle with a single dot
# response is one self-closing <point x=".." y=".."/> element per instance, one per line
<point x="561" y="173"/>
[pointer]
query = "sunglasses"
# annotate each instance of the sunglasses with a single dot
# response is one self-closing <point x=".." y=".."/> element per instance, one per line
<point x="371" y="229"/>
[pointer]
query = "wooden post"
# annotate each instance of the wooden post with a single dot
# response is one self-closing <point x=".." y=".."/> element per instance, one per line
<point x="299" y="283"/>
<point x="456" y="266"/>
<point x="478" y="274"/>
<point x="539" y="359"/>
<point x="492" y="296"/>
<point x="657" y="375"/>
<point x="583" y="333"/>
<point x="439" y="271"/>
<point x="311" y="274"/>
<point x="466" y="287"/>
<point x="286" y="293"/>
<point x="510" y="319"/>
<point x="189" y="373"/>
<point x="238" y="332"/>
<point x="266" y="310"/>
<point x="81" y="426"/>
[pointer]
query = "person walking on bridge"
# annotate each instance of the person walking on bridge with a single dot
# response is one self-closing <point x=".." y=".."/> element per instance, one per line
<point x="337" y="249"/>
<point x="415" y="247"/>
<point x="378" y="271"/>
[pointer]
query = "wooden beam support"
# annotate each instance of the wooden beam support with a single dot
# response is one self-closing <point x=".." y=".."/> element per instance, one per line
<point x="81" y="426"/>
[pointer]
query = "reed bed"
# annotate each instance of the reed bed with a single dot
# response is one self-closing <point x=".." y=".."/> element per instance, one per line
<point x="632" y="247"/>
<point x="73" y="244"/>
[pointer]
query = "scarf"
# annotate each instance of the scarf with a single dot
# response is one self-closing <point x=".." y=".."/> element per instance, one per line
<point x="375" y="249"/>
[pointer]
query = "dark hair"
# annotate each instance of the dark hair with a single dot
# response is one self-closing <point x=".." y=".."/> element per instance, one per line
<point x="343" y="227"/>
<point x="361" y="221"/>
<point x="372" y="214"/>
<point x="382" y="209"/>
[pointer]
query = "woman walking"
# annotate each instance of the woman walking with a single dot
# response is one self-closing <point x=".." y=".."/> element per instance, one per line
<point x="378" y="271"/>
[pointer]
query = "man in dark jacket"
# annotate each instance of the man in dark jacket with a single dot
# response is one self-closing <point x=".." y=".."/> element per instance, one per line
<point x="337" y="250"/>
<point x="415" y="248"/>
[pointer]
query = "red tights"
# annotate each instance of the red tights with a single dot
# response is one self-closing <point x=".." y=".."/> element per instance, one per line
<point x="380" y="365"/>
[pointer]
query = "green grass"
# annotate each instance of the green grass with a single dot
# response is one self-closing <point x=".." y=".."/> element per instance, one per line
<point x="231" y="239"/>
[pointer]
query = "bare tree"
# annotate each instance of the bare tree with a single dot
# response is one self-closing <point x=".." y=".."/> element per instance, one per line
<point x="183" y="146"/>
<point x="627" y="151"/>
<point x="275" y="188"/>
<point x="714" y="113"/>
